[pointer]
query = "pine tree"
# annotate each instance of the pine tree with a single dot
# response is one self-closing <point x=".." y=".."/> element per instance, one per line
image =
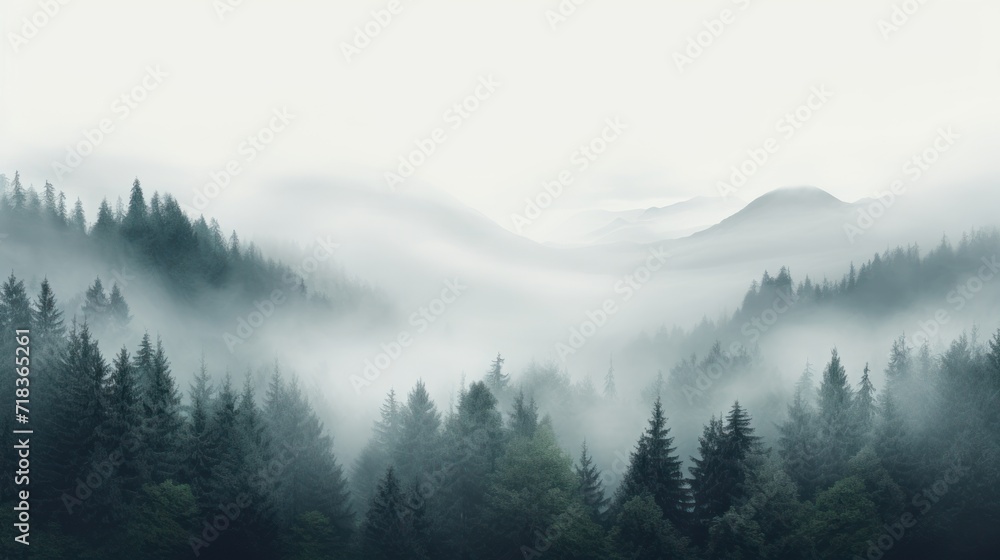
<point x="95" y="305"/>
<point x="61" y="209"/>
<point x="655" y="468"/>
<point x="105" y="228"/>
<point x="48" y="322"/>
<point x="200" y="456"/>
<point x="15" y="307"/>
<point x="474" y="444"/>
<point x="123" y="430"/>
<point x="386" y="535"/>
<point x="524" y="417"/>
<point x="893" y="445"/>
<point x="15" y="314"/>
<point x="419" y="447"/>
<point x="864" y="406"/>
<point x="707" y="473"/>
<point x="162" y="422"/>
<point x="387" y="429"/>
<point x="590" y="487"/>
<point x="79" y="221"/>
<point x="134" y="224"/>
<point x="742" y="452"/>
<point x="18" y="198"/>
<point x="838" y="441"/>
<point x="144" y="362"/>
<point x="310" y="477"/>
<point x="610" y="390"/>
<point x="496" y="379"/>
<point x="118" y="311"/>
<point x="77" y="423"/>
<point x="49" y="202"/>
<point x="798" y="441"/>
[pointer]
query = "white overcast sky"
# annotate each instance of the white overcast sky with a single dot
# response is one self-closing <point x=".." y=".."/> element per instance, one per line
<point x="609" y="59"/>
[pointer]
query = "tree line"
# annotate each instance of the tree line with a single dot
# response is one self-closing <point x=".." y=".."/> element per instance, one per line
<point x="127" y="468"/>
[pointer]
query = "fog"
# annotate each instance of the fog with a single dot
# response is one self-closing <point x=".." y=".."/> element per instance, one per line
<point x="575" y="194"/>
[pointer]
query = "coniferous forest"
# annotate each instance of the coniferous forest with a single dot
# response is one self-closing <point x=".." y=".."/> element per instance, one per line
<point x="125" y="462"/>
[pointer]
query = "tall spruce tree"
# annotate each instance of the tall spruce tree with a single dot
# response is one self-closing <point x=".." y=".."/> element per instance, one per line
<point x="838" y="441"/>
<point x="590" y="487"/>
<point x="118" y="311"/>
<point x="95" y="305"/>
<point x="123" y="429"/>
<point x="610" y="389"/>
<point x="708" y="488"/>
<point x="798" y="439"/>
<point x="420" y="444"/>
<point x="864" y="406"/>
<point x="655" y="469"/>
<point x="496" y="379"/>
<point x="524" y="417"/>
<point x="162" y="422"/>
<point x="386" y="535"/>
<point x="198" y="451"/>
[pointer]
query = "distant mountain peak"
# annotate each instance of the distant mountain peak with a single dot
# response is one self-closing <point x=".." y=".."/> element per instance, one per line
<point x="786" y="205"/>
<point x="801" y="195"/>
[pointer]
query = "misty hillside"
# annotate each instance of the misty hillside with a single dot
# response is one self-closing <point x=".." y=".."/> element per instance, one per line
<point x="927" y="298"/>
<point x="152" y="249"/>
<point x="645" y="225"/>
<point x="248" y="470"/>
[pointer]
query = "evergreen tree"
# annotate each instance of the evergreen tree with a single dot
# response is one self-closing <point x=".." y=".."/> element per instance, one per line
<point x="18" y="198"/>
<point x="838" y="442"/>
<point x="474" y="442"/>
<point x="134" y="225"/>
<point x="105" y="228"/>
<point x="310" y="478"/>
<point x="47" y="319"/>
<point x="377" y="456"/>
<point x="199" y="454"/>
<point x="496" y="379"/>
<point x="524" y="418"/>
<point x="419" y="448"/>
<point x="610" y="390"/>
<point x="590" y="487"/>
<point x="386" y="535"/>
<point x="49" y="202"/>
<point x="122" y="431"/>
<point x="864" y="406"/>
<point x="63" y="219"/>
<point x="798" y="440"/>
<point x="655" y="469"/>
<point x="742" y="452"/>
<point x="118" y="311"/>
<point x="144" y="362"/>
<point x="162" y="422"/>
<point x="77" y="423"/>
<point x="79" y="221"/>
<point x="707" y="482"/>
<point x="95" y="305"/>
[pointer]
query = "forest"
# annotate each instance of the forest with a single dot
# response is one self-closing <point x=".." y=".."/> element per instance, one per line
<point x="126" y="463"/>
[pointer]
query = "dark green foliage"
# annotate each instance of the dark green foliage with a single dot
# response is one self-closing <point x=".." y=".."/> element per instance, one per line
<point x="590" y="487"/>
<point x="471" y="486"/>
<point x="385" y="533"/>
<point x="524" y="417"/>
<point x="419" y="448"/>
<point x="643" y="533"/>
<point x="798" y="441"/>
<point x="655" y="469"/>
<point x="837" y="429"/>
<point x="162" y="423"/>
